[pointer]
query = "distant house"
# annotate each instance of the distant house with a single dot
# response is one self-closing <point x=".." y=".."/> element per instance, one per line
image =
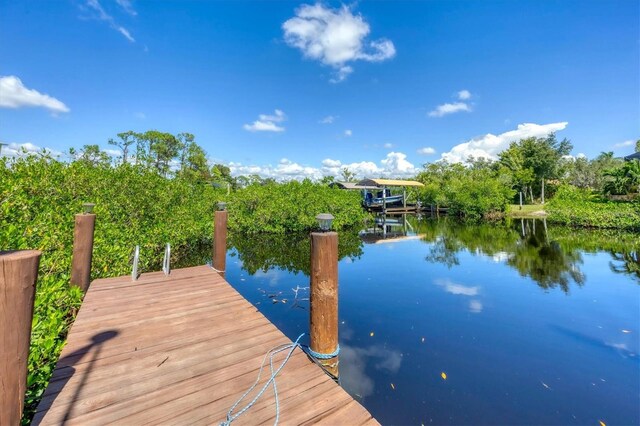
<point x="634" y="156"/>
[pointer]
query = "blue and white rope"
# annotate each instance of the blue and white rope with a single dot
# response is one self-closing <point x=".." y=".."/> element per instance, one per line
<point x="318" y="355"/>
<point x="271" y="353"/>
<point x="272" y="379"/>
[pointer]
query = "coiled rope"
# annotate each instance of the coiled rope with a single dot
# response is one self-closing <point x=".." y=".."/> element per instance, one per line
<point x="271" y="353"/>
<point x="272" y="379"/>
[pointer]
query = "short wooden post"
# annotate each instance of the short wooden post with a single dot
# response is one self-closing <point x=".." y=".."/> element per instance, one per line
<point x="324" y="297"/>
<point x="220" y="241"/>
<point x="82" y="250"/>
<point x="18" y="275"/>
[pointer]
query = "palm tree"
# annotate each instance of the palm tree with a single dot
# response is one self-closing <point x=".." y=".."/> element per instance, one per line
<point x="624" y="180"/>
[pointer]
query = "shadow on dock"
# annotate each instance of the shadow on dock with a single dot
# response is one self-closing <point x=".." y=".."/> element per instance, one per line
<point x="65" y="371"/>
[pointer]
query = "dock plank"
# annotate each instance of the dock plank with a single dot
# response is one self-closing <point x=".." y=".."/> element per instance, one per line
<point x="181" y="350"/>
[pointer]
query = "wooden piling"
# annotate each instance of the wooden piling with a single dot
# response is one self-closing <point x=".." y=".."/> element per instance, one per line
<point x="82" y="250"/>
<point x="18" y="275"/>
<point x="324" y="297"/>
<point x="220" y="241"/>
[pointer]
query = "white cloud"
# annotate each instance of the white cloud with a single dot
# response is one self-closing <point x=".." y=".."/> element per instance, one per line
<point x="328" y="162"/>
<point x="455" y="288"/>
<point x="475" y="306"/>
<point x="96" y="11"/>
<point x="394" y="164"/>
<point x="14" y="150"/>
<point x="334" y="37"/>
<point x="127" y="7"/>
<point x="267" y="123"/>
<point x="341" y="74"/>
<point x="329" y="119"/>
<point x="284" y="170"/>
<point x="444" y="109"/>
<point x="489" y="146"/>
<point x="427" y="150"/>
<point x="13" y="94"/>
<point x="452" y="108"/>
<point x="388" y="145"/>
<point x="624" y="144"/>
<point x="140" y="115"/>
<point x="125" y="33"/>
<point x="348" y="132"/>
<point x="463" y="95"/>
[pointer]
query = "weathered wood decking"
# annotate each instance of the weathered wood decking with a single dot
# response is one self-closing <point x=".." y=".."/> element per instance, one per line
<point x="181" y="350"/>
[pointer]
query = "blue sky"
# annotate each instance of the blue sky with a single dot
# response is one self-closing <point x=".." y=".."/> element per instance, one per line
<point x="295" y="89"/>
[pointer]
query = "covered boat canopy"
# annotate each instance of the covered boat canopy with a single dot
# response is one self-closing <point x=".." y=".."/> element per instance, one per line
<point x="351" y="185"/>
<point x="379" y="183"/>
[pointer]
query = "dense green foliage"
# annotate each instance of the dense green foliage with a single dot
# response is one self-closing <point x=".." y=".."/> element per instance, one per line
<point x="602" y="194"/>
<point x="584" y="173"/>
<point x="135" y="205"/>
<point x="534" y="160"/>
<point x="574" y="206"/>
<point x="292" y="207"/>
<point x="473" y="191"/>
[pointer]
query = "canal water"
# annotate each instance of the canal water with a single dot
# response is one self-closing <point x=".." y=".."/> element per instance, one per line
<point x="444" y="323"/>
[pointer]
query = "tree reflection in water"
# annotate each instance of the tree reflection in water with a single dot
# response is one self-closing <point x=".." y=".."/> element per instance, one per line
<point x="550" y="256"/>
<point x="290" y="252"/>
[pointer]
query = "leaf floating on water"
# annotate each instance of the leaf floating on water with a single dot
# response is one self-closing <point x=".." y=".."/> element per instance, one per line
<point x="393" y="386"/>
<point x="545" y="385"/>
<point x="371" y="334"/>
<point x="443" y="375"/>
<point x="602" y="423"/>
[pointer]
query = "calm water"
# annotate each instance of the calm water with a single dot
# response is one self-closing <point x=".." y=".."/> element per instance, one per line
<point x="530" y="324"/>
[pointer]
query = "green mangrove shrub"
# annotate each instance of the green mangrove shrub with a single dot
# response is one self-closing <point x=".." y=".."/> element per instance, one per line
<point x="581" y="207"/>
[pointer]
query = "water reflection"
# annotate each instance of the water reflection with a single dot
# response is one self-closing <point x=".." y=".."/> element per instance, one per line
<point x="288" y="252"/>
<point x="550" y="256"/>
<point x="354" y="362"/>
<point x="511" y="354"/>
<point x="543" y="254"/>
<point x="475" y="304"/>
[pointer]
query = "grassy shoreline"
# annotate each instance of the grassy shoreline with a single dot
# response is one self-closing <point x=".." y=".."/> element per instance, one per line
<point x="528" y="211"/>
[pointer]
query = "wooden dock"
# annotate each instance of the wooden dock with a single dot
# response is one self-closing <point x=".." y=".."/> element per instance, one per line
<point x="181" y="349"/>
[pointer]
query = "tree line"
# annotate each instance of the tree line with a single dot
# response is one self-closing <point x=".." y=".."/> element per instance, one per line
<point x="168" y="154"/>
<point x="526" y="167"/>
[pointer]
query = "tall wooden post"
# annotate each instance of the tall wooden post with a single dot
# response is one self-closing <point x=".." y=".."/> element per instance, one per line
<point x="220" y="241"/>
<point x="82" y="250"/>
<point x="18" y="275"/>
<point x="324" y="297"/>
